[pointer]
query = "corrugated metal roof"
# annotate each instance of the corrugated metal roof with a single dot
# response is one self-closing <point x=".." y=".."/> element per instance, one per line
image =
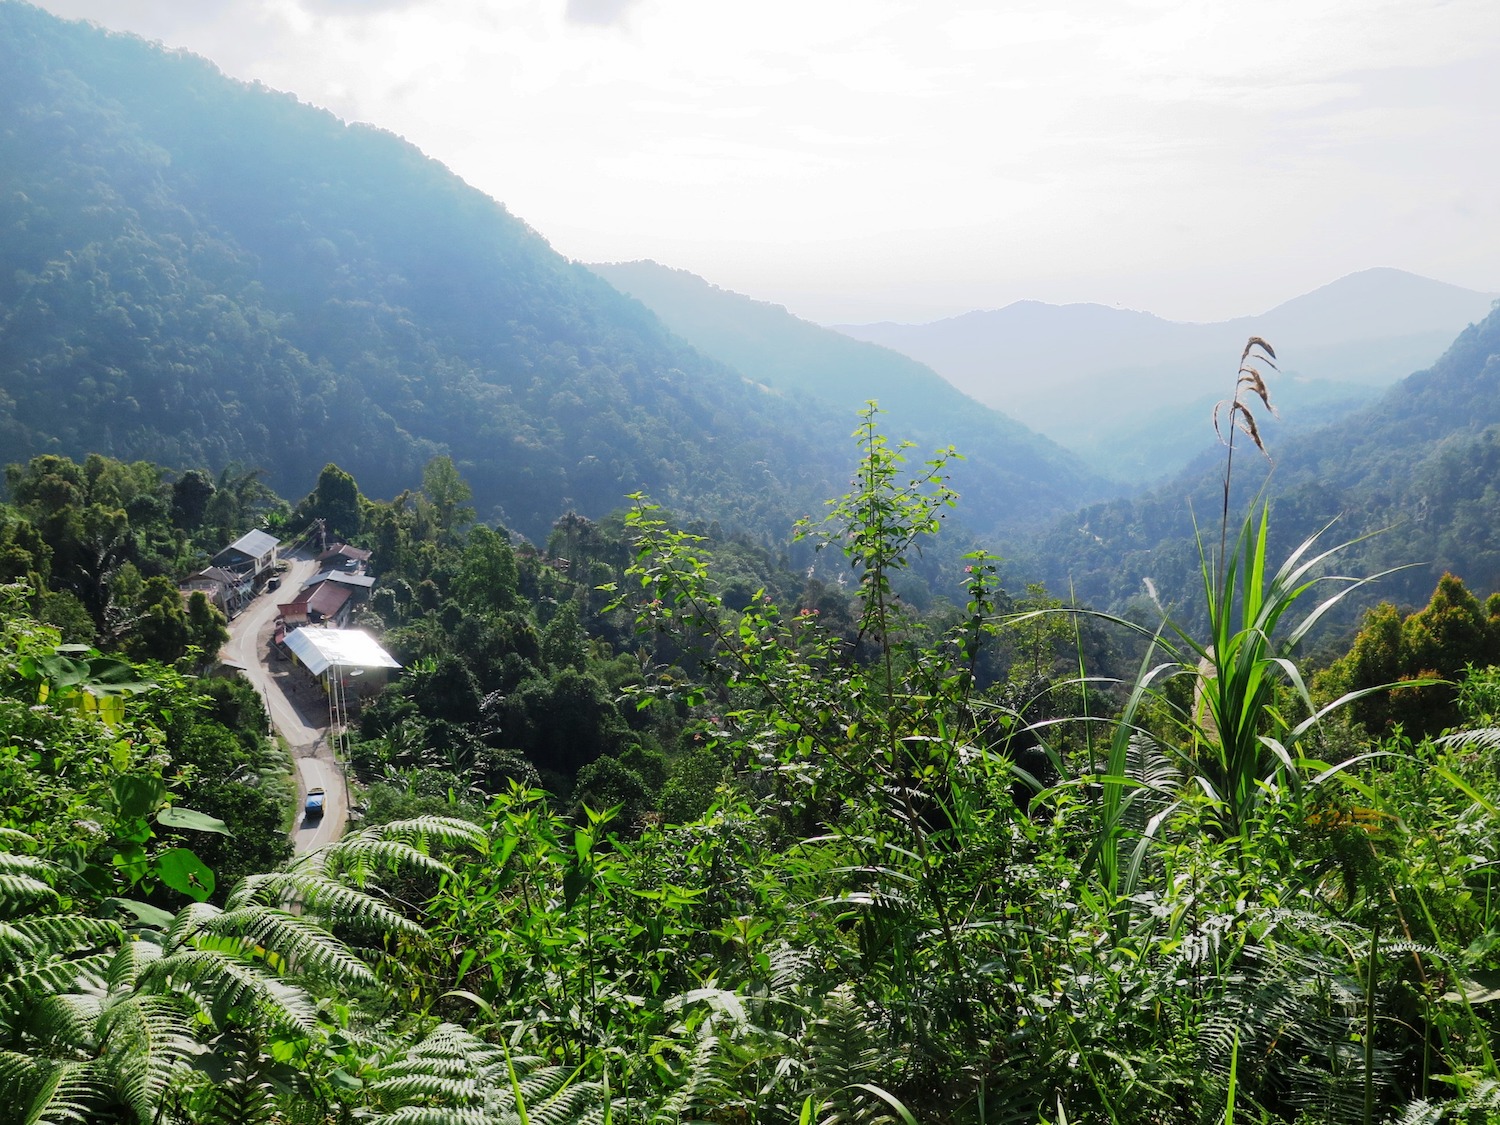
<point x="327" y="598"/>
<point x="344" y="551"/>
<point x="362" y="580"/>
<point x="322" y="649"/>
<point x="255" y="543"/>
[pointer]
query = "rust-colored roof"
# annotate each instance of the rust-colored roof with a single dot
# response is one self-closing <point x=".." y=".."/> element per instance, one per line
<point x="294" y="613"/>
<point x="344" y="551"/>
<point x="327" y="598"/>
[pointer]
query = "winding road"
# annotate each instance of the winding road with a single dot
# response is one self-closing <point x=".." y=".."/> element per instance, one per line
<point x="298" y="709"/>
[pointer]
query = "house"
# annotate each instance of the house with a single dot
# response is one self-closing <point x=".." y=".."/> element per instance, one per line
<point x="252" y="554"/>
<point x="293" y="615"/>
<point x="328" y="601"/>
<point x="360" y="582"/>
<point x="224" y="588"/>
<point x="343" y="557"/>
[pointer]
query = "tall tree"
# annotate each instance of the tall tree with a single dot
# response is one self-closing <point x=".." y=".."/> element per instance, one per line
<point x="449" y="492"/>
<point x="336" y="501"/>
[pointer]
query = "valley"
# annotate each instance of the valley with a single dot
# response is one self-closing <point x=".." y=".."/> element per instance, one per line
<point x="758" y="721"/>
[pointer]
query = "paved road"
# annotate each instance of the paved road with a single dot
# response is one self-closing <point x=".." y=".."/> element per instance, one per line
<point x="309" y="835"/>
<point x="298" y="710"/>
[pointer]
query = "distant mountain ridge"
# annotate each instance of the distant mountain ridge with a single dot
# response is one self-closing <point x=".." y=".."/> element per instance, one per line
<point x="196" y="271"/>
<point x="1147" y="377"/>
<point x="1416" y="469"/>
<point x="1007" y="467"/>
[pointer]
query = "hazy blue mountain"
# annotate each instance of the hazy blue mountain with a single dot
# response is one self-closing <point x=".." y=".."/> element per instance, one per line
<point x="196" y="271"/>
<point x="1120" y="387"/>
<point x="1416" y="468"/>
<point x="1007" y="467"/>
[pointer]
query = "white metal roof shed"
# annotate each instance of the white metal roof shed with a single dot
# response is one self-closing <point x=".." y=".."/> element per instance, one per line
<point x="321" y="649"/>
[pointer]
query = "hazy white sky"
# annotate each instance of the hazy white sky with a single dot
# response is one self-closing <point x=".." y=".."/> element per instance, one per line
<point x="863" y="159"/>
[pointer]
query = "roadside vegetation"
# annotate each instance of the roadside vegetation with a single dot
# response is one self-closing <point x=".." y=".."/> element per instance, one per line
<point x="660" y="830"/>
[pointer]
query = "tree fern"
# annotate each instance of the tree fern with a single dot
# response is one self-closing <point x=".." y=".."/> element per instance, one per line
<point x="322" y="896"/>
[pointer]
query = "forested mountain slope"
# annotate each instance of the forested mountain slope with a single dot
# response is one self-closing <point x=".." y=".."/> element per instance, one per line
<point x="197" y="271"/>
<point x="1007" y="468"/>
<point x="1419" y="464"/>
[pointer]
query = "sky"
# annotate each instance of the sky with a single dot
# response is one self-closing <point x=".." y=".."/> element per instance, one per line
<point x="861" y="160"/>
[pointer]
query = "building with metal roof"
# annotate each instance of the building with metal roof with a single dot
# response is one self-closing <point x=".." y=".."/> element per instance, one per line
<point x="253" y="553"/>
<point x="347" y="650"/>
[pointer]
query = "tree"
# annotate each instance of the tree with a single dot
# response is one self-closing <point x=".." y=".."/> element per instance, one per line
<point x="336" y="501"/>
<point x="190" y="496"/>
<point x="487" y="578"/>
<point x="449" y="494"/>
<point x="564" y="642"/>
<point x="1452" y="633"/>
<point x="208" y="631"/>
<point x="160" y="629"/>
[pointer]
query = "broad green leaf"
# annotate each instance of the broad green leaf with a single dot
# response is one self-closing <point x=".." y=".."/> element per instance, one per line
<point x="138" y="794"/>
<point x="184" y="872"/>
<point x="173" y="817"/>
<point x="143" y="911"/>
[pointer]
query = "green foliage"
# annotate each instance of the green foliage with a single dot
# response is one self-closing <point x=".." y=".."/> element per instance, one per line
<point x="872" y="877"/>
<point x="1453" y="633"/>
<point x="337" y="502"/>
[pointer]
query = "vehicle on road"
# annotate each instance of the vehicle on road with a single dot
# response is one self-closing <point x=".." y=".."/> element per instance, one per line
<point x="274" y="584"/>
<point x="314" y="807"/>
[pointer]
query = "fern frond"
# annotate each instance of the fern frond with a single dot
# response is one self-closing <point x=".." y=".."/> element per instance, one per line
<point x="324" y="896"/>
<point x="423" y="831"/>
<point x="35" y="979"/>
<point x="68" y="1094"/>
<point x="1420" y="1113"/>
<point x="358" y="855"/>
<point x="842" y="1060"/>
<point x="16" y="863"/>
<point x="189" y="921"/>
<point x="129" y="962"/>
<point x="1481" y="738"/>
<point x="58" y="933"/>
<point x="17" y="1072"/>
<point x="305" y="946"/>
<point x="221" y="984"/>
<point x="702" y="1083"/>
<point x="148" y="1038"/>
<point x="451" y="1076"/>
<point x="21" y="892"/>
<point x="440" y="1115"/>
<point x="67" y="1023"/>
<point x="15" y="837"/>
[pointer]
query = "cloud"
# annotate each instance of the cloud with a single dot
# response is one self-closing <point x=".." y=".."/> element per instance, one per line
<point x="599" y="13"/>
<point x="358" y="7"/>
